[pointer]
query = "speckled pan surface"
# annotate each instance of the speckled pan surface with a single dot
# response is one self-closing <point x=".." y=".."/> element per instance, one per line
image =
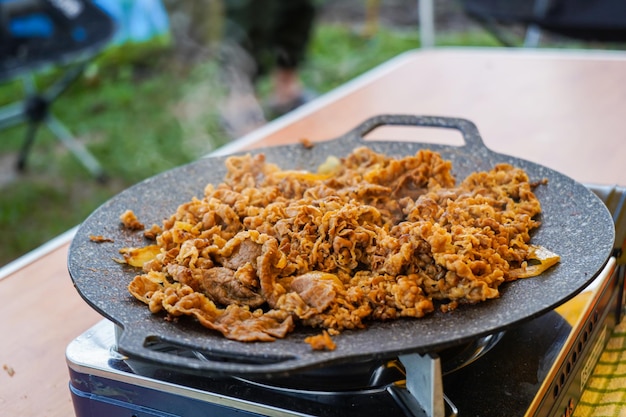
<point x="575" y="224"/>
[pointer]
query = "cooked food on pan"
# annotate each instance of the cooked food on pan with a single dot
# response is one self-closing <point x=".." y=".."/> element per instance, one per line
<point x="366" y="237"/>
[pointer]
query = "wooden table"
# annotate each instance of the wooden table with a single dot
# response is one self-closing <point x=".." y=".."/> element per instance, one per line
<point x="563" y="109"/>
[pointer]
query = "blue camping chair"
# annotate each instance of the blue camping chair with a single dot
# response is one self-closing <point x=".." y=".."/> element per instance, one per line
<point x="35" y="34"/>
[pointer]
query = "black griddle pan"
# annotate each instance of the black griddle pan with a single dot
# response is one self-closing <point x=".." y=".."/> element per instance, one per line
<point x="575" y="224"/>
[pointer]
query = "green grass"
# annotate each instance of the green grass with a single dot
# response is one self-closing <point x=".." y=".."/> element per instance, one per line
<point x="141" y="112"/>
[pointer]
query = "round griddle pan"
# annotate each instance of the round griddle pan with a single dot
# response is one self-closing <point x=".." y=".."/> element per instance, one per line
<point x="575" y="224"/>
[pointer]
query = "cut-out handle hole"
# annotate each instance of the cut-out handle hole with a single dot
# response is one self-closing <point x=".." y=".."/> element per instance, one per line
<point x="417" y="134"/>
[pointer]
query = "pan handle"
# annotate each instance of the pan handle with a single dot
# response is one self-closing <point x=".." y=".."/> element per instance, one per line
<point x="148" y="350"/>
<point x="470" y="133"/>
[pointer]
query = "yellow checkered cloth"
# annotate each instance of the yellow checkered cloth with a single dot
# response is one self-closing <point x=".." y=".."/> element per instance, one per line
<point x="605" y="394"/>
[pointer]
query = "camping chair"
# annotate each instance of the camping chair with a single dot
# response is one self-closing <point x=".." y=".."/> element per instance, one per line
<point x="34" y="35"/>
<point x="585" y="20"/>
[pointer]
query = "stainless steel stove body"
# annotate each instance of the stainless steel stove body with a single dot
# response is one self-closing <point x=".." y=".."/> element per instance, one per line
<point x="536" y="369"/>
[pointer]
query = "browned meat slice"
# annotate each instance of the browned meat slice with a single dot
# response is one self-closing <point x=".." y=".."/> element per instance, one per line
<point x="316" y="288"/>
<point x="183" y="275"/>
<point x="226" y="286"/>
<point x="235" y="322"/>
<point x="246" y="251"/>
<point x="242" y="325"/>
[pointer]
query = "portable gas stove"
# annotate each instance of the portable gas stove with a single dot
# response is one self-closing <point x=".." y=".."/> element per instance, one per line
<point x="538" y="368"/>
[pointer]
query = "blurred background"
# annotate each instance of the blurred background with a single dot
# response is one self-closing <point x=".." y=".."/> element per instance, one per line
<point x="178" y="80"/>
